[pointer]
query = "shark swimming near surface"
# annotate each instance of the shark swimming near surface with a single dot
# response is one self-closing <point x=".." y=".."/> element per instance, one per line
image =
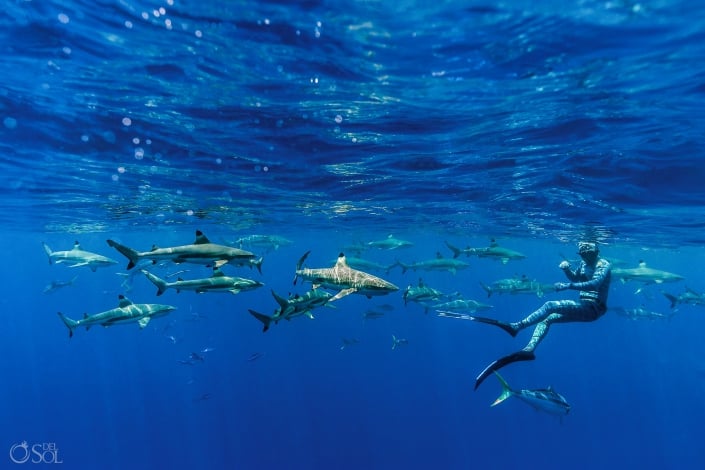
<point x="218" y="282"/>
<point x="343" y="278"/>
<point x="126" y="312"/>
<point x="494" y="251"/>
<point x="201" y="251"/>
<point x="76" y="258"/>
<point x="645" y="275"/>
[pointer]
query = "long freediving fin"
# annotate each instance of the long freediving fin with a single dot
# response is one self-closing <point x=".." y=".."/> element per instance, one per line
<point x="491" y="321"/>
<point x="501" y="362"/>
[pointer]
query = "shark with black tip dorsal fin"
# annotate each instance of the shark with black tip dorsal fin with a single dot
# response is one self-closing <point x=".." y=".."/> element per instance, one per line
<point x="218" y="282"/>
<point x="76" y="258"/>
<point x="126" y="312"/>
<point x="202" y="251"/>
<point x="343" y="278"/>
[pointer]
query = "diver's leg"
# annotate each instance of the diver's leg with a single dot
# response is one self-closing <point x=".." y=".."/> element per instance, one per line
<point x="540" y="314"/>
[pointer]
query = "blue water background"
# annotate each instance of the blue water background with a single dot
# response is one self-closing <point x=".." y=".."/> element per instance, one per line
<point x="537" y="123"/>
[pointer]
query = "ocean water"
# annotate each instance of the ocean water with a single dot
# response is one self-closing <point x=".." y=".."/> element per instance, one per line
<point x="333" y="125"/>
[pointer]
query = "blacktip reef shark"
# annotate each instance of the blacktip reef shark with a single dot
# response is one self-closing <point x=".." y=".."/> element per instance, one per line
<point x="645" y="275"/>
<point x="76" y="257"/>
<point x="126" y="312"/>
<point x="218" y="282"/>
<point x="343" y="278"/>
<point x="688" y="297"/>
<point x="201" y="251"/>
<point x="493" y="251"/>
<point x="545" y="399"/>
<point x="296" y="305"/>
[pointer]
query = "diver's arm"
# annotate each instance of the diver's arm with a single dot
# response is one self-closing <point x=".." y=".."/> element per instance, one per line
<point x="601" y="274"/>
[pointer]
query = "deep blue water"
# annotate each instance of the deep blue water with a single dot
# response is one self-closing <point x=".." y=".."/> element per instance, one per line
<point x="333" y="124"/>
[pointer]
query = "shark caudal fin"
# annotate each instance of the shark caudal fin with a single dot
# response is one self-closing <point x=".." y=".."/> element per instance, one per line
<point x="161" y="284"/>
<point x="257" y="264"/>
<point x="70" y="324"/>
<point x="506" y="391"/>
<point x="128" y="252"/>
<point x="487" y="289"/>
<point x="47" y="250"/>
<point x="454" y="249"/>
<point x="266" y="320"/>
<point x="672" y="298"/>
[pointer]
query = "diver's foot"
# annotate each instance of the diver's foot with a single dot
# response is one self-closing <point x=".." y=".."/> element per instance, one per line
<point x="522" y="355"/>
<point x="508" y="327"/>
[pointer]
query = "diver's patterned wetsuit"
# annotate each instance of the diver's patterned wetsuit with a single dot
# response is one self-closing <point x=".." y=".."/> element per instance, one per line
<point x="593" y="284"/>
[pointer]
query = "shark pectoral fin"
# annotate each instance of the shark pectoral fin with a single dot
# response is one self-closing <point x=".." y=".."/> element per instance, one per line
<point x="220" y="263"/>
<point x="342" y="294"/>
<point x="309" y="314"/>
<point x="143" y="322"/>
<point x="234" y="291"/>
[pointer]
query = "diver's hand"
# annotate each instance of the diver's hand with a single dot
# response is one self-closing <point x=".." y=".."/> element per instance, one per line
<point x="559" y="286"/>
<point x="564" y="265"/>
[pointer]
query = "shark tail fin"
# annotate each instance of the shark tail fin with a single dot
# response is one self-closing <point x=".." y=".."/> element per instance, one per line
<point x="506" y="391"/>
<point x="70" y="324"/>
<point x="487" y="289"/>
<point x="128" y="252"/>
<point x="394" y="342"/>
<point x="454" y="249"/>
<point x="161" y="284"/>
<point x="266" y="320"/>
<point x="258" y="264"/>
<point x="672" y="298"/>
<point x="47" y="250"/>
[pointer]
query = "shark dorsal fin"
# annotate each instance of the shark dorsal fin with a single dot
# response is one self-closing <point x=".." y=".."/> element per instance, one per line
<point x="123" y="301"/>
<point x="642" y="263"/>
<point x="200" y="238"/>
<point x="439" y="255"/>
<point x="76" y="245"/>
<point x="390" y="236"/>
<point x="155" y="247"/>
<point x="493" y="243"/>
<point x="421" y="284"/>
<point x="218" y="273"/>
<point x="342" y="263"/>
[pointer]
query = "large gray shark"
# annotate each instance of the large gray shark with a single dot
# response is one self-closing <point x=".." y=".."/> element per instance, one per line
<point x="543" y="400"/>
<point x="77" y="257"/>
<point x="493" y="251"/>
<point x="296" y="305"/>
<point x="344" y="278"/>
<point x="645" y="275"/>
<point x="202" y="251"/>
<point x="218" y="282"/>
<point x="438" y="264"/>
<point x="126" y="312"/>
